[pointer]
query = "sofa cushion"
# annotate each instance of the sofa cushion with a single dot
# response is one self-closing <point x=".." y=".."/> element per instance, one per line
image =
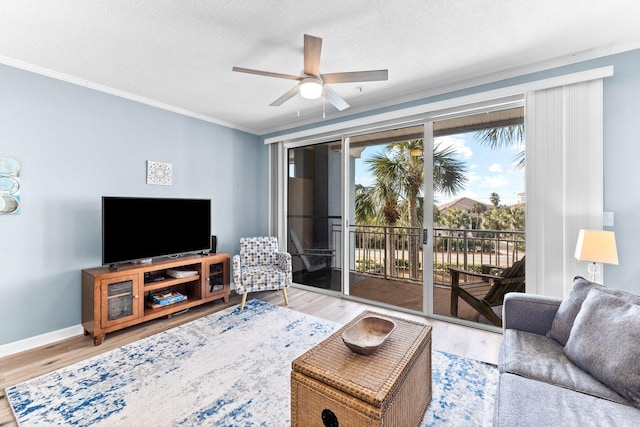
<point x="570" y="306"/>
<point x="541" y="358"/>
<point x="522" y="402"/>
<point x="604" y="342"/>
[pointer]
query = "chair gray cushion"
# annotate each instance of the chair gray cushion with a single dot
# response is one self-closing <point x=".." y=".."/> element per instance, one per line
<point x="604" y="342"/>
<point x="263" y="278"/>
<point x="541" y="358"/>
<point x="570" y="306"/>
<point x="522" y="402"/>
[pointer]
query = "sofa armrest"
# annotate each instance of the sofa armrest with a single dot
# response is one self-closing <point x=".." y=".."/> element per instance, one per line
<point x="529" y="312"/>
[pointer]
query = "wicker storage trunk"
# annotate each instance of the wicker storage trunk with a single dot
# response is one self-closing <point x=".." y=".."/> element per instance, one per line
<point x="332" y="386"/>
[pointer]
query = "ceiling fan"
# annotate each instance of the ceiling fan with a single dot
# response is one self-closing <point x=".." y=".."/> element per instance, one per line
<point x="312" y="84"/>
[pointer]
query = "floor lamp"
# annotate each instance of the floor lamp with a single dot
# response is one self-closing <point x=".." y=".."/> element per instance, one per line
<point x="597" y="247"/>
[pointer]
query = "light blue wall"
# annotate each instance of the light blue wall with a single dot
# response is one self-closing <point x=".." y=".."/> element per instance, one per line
<point x="76" y="145"/>
<point x="621" y="152"/>
<point x="622" y="168"/>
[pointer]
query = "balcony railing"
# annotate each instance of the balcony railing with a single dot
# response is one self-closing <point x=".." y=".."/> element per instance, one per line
<point x="371" y="252"/>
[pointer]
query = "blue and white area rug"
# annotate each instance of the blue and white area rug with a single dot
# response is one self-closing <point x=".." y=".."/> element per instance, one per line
<point x="231" y="368"/>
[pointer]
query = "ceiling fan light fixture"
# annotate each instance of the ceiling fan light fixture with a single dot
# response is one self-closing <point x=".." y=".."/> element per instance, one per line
<point x="311" y="88"/>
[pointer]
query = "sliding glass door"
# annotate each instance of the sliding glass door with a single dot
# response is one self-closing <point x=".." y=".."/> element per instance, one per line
<point x="389" y="216"/>
<point x="386" y="217"/>
<point x="355" y="215"/>
<point x="314" y="214"/>
<point x="479" y="220"/>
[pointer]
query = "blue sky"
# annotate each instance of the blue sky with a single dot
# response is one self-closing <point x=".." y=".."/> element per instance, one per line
<point x="488" y="170"/>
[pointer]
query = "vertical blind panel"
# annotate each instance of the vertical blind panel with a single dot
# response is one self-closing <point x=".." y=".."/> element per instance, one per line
<point x="544" y="157"/>
<point x="584" y="201"/>
<point x="564" y="181"/>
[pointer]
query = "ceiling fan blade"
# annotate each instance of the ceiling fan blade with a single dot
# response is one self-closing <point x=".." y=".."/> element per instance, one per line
<point x="335" y="99"/>
<point x="312" y="48"/>
<point x="265" y="73"/>
<point x="287" y="96"/>
<point x="356" y="76"/>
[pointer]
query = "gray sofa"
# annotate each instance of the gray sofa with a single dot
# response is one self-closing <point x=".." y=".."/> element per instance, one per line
<point x="574" y="362"/>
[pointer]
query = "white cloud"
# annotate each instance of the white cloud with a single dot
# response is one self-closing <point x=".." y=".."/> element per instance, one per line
<point x="495" y="168"/>
<point x="365" y="179"/>
<point x="458" y="144"/>
<point x="472" y="177"/>
<point x="494" y="182"/>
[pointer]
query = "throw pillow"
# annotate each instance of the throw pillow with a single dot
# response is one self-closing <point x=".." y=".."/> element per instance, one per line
<point x="568" y="310"/>
<point x="603" y="342"/>
<point x="570" y="306"/>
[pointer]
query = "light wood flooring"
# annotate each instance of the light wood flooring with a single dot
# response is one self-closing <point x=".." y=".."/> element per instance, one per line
<point x="461" y="340"/>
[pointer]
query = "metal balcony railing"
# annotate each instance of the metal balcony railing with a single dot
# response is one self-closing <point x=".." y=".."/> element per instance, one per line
<point x="396" y="252"/>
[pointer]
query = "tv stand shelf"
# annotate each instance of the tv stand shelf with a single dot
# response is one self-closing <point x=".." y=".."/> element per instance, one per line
<point x="162" y="284"/>
<point x="113" y="299"/>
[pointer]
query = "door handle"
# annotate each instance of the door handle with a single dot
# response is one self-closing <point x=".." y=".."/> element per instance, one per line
<point x="425" y="236"/>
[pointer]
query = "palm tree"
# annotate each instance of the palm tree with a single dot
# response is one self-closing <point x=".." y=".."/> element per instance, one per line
<point x="504" y="137"/>
<point x="400" y="173"/>
<point x="400" y="168"/>
<point x="478" y="208"/>
<point x="376" y="205"/>
<point x="495" y="199"/>
<point x="456" y="218"/>
<point x="437" y="215"/>
<point x="514" y="219"/>
<point x="493" y="220"/>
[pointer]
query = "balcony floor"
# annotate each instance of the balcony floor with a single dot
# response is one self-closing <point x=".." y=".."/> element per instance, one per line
<point x="400" y="293"/>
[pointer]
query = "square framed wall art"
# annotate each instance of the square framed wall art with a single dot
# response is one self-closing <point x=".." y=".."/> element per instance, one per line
<point x="159" y="173"/>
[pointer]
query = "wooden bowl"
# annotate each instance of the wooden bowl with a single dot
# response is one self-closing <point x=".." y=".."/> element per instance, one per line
<point x="368" y="334"/>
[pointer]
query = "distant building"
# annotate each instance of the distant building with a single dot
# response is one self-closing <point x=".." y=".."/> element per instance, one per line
<point x="464" y="204"/>
<point x="521" y="203"/>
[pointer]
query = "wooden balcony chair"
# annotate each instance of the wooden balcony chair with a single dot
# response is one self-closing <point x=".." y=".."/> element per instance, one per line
<point x="314" y="260"/>
<point x="486" y="290"/>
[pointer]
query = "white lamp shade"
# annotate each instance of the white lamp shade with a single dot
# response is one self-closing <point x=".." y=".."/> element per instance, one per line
<point x="597" y="246"/>
<point x="311" y="88"/>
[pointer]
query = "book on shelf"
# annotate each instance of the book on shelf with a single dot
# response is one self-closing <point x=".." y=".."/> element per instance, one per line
<point x="164" y="298"/>
<point x="178" y="273"/>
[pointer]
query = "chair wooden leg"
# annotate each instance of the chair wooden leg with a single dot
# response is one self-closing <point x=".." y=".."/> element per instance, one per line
<point x="455" y="278"/>
<point x="244" y="299"/>
<point x="284" y="294"/>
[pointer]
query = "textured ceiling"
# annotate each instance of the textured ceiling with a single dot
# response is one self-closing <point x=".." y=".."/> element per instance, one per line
<point x="179" y="54"/>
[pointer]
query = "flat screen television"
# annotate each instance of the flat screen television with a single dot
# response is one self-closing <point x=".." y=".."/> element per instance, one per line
<point x="138" y="229"/>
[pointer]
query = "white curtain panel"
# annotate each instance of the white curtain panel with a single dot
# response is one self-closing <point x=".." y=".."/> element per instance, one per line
<point x="564" y="181"/>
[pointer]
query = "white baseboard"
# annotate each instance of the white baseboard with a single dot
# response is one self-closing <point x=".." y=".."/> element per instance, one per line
<point x="40" y="340"/>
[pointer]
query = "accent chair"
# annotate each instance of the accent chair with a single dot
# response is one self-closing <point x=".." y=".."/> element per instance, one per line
<point x="260" y="266"/>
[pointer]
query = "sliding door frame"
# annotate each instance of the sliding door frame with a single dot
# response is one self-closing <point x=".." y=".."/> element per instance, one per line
<point x="428" y="113"/>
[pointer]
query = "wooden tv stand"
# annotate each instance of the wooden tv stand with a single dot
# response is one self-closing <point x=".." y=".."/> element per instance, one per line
<point x="114" y="299"/>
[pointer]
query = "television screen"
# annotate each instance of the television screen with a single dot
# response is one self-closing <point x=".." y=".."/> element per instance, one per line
<point x="136" y="228"/>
